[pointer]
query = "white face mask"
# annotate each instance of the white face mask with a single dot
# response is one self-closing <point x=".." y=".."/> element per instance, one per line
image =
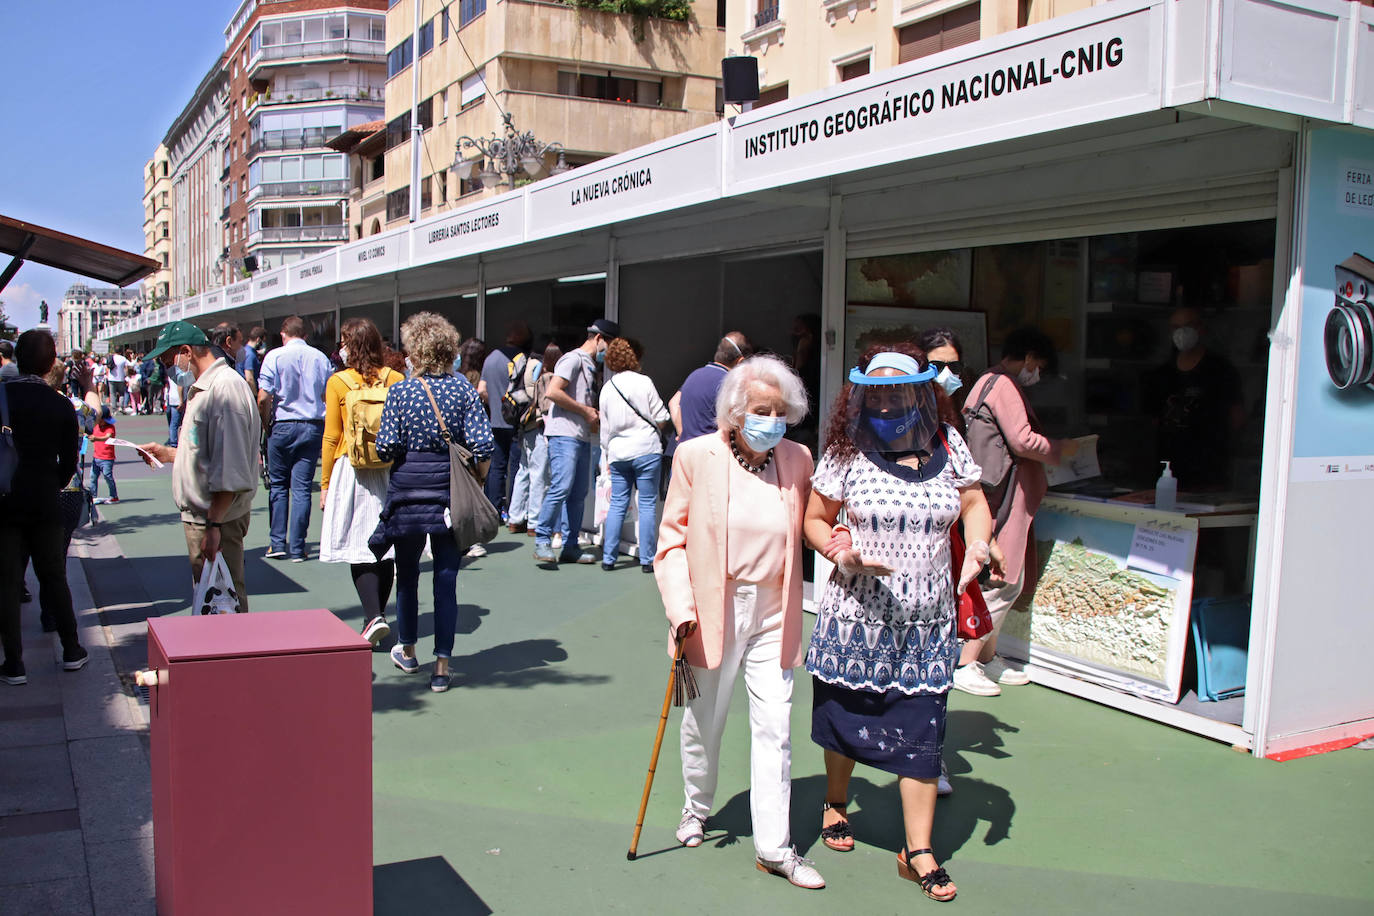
<point x="343" y="354"/>
<point x="1186" y="338"/>
<point x="949" y="381"/>
<point x="1028" y="377"/>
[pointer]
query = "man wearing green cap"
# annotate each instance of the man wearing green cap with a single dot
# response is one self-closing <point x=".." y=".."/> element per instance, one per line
<point x="215" y="461"/>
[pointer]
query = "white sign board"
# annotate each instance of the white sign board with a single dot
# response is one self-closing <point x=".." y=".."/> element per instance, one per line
<point x="1162" y="551"/>
<point x="313" y="273"/>
<point x="239" y="294"/>
<point x="212" y="301"/>
<point x="100" y="346"/>
<point x="492" y="224"/>
<point x="1019" y="86"/>
<point x="269" y="285"/>
<point x="673" y="173"/>
<point x="372" y="256"/>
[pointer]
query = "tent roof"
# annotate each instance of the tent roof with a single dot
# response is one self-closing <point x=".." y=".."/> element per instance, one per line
<point x="30" y="242"/>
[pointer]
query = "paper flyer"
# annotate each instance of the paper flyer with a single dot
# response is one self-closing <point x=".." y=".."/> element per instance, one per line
<point x="151" y="458"/>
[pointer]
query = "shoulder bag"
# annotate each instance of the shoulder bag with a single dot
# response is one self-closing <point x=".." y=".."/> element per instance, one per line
<point x="988" y="445"/>
<point x="472" y="517"/>
<point x="9" y="453"/>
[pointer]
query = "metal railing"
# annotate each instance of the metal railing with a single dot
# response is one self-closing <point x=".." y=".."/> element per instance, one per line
<point x="325" y="187"/>
<point x="330" y="47"/>
<point x="337" y="233"/>
<point x="319" y="94"/>
<point x="305" y="139"/>
<point x="766" y="15"/>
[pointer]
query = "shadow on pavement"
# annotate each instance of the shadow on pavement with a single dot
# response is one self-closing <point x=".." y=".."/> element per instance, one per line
<point x="517" y="664"/>
<point x="423" y="885"/>
<point x="470" y="618"/>
<point x="130" y="523"/>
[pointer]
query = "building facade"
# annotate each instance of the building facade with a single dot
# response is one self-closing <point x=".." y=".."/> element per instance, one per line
<point x="297" y="73"/>
<point x="158" y="224"/>
<point x="194" y="146"/>
<point x="801" y="48"/>
<point x="365" y="146"/>
<point x="598" y="83"/>
<point x="86" y="310"/>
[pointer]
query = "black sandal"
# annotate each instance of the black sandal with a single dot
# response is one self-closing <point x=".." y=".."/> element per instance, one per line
<point x="936" y="877"/>
<point x="831" y="836"/>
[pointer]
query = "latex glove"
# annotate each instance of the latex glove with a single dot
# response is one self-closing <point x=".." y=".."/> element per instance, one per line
<point x="852" y="563"/>
<point x="975" y="558"/>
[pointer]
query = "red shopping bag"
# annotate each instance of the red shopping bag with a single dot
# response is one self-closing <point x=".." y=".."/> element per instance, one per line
<point x="974" y="620"/>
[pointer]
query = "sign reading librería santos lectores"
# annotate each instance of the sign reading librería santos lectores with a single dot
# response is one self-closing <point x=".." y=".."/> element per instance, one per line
<point x="1078" y="76"/>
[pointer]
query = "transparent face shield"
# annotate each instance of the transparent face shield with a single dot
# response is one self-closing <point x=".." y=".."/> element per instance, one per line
<point x="892" y="407"/>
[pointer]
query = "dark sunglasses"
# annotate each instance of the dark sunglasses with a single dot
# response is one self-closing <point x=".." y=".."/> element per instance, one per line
<point x="955" y="365"/>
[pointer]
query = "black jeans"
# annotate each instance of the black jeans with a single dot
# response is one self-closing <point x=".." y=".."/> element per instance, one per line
<point x="506" y="444"/>
<point x="45" y="542"/>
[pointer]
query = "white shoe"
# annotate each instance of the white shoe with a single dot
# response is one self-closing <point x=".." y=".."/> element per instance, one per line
<point x="477" y="550"/>
<point x="942" y="786"/>
<point x="998" y="670"/>
<point x="795" y="869"/>
<point x="556" y="542"/>
<point x="691" y="830"/>
<point x="971" y="679"/>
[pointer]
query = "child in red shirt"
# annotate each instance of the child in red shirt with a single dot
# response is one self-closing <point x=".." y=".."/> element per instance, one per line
<point x="103" y="453"/>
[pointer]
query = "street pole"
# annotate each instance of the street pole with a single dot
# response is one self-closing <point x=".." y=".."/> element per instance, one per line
<point x="415" y="130"/>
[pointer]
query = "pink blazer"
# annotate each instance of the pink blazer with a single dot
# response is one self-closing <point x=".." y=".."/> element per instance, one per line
<point x="690" y="565"/>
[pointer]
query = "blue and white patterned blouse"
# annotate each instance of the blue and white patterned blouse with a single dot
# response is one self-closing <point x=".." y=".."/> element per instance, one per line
<point x="409" y="425"/>
<point x="899" y="631"/>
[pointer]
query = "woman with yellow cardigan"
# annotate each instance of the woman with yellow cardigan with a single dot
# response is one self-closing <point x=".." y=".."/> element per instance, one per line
<point x="351" y="496"/>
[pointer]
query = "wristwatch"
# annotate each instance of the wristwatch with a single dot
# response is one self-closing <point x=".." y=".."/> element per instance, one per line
<point x="209" y="524"/>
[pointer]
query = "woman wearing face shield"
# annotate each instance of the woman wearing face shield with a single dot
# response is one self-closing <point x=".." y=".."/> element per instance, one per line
<point x="885" y="643"/>
<point x="729" y="568"/>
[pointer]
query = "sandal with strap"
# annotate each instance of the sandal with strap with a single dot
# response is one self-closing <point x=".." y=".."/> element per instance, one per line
<point x="937" y="877"/>
<point x="835" y="835"/>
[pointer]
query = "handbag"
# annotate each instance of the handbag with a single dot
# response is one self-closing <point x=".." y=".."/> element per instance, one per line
<point x="988" y="445"/>
<point x="472" y="517"/>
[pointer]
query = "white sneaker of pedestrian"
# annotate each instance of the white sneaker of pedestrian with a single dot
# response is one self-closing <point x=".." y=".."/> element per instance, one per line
<point x="556" y="542"/>
<point x="971" y="679"/>
<point x="691" y="830"/>
<point x="801" y="872"/>
<point x="477" y="550"/>
<point x="998" y="670"/>
<point x="942" y="786"/>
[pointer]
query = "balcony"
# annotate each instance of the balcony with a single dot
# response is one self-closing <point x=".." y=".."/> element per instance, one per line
<point x="766" y="15"/>
<point x="318" y="94"/>
<point x="352" y="48"/>
<point x="532" y="27"/>
<point x="274" y="234"/>
<point x="325" y="187"/>
<point x="306" y="139"/>
<point x="591" y="124"/>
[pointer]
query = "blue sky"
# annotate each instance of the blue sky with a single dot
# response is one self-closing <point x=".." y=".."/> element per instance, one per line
<point x="87" y="91"/>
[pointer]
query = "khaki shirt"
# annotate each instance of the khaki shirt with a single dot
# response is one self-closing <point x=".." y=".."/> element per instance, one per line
<point x="217" y="450"/>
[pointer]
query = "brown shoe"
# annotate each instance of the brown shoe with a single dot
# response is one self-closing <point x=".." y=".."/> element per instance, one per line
<point x="516" y="527"/>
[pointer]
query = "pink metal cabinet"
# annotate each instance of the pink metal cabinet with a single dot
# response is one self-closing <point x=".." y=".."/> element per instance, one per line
<point x="261" y="764"/>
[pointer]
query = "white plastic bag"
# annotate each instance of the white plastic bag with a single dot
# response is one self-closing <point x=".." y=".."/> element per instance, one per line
<point x="603" y="497"/>
<point x="215" y="593"/>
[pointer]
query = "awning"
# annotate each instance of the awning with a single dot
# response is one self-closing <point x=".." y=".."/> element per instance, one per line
<point x="29" y="242"/>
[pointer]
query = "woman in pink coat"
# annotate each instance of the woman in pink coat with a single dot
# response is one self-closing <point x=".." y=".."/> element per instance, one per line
<point x="729" y="567"/>
<point x="1025" y="354"/>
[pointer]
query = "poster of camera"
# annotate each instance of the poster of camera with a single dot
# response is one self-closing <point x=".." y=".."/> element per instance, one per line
<point x="1111" y="605"/>
<point x="1334" y="434"/>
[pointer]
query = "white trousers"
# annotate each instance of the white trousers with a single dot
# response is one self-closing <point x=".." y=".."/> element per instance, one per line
<point x="753" y="641"/>
<point x="999" y="600"/>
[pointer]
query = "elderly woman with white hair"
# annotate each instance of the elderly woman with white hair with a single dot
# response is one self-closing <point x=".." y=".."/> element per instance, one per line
<point x="729" y="568"/>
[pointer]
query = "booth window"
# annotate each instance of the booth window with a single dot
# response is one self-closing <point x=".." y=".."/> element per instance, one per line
<point x="939" y="33"/>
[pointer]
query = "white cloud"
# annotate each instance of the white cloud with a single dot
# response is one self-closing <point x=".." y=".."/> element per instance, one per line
<point x="21" y="304"/>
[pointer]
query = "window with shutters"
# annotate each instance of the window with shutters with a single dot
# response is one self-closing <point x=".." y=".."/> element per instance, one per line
<point x="854" y="69"/>
<point x="769" y="96"/>
<point x="939" y="33"/>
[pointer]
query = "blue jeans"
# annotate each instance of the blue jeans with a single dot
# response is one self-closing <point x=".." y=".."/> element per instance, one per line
<point x="569" y="464"/>
<point x="642" y="474"/>
<point x="447" y="559"/>
<point x="103" y="467"/>
<point x="531" y="477"/>
<point x="293" y="451"/>
<point x="173" y="425"/>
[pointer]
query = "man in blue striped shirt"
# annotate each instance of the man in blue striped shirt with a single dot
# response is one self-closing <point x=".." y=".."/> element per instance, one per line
<point x="291" y="398"/>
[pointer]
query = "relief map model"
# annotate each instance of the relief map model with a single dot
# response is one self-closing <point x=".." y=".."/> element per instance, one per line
<point x="1088" y="607"/>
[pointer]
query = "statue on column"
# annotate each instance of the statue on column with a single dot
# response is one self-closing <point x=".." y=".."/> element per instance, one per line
<point x="43" y="312"/>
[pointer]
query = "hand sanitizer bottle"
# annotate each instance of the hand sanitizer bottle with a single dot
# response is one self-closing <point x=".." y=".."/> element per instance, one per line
<point x="1166" y="489"/>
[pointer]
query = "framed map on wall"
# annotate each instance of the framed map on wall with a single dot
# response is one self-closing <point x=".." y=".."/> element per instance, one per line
<point x="866" y="325"/>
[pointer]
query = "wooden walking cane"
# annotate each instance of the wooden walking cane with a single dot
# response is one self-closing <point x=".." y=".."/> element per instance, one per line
<point x="680" y="677"/>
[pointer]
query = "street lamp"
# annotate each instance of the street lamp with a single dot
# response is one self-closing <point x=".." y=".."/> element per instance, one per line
<point x="506" y="156"/>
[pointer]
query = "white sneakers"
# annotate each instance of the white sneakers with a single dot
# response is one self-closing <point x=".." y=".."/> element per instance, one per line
<point x="477" y="550"/>
<point x="795" y="869"/>
<point x="691" y="830"/>
<point x="981" y="679"/>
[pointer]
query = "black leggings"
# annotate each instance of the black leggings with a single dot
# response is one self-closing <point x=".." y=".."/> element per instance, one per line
<point x="373" y="582"/>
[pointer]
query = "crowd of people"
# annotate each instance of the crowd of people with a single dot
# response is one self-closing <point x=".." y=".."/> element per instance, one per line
<point x="930" y="549"/>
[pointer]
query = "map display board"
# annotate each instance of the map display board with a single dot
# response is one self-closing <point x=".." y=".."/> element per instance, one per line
<point x="1112" y="603"/>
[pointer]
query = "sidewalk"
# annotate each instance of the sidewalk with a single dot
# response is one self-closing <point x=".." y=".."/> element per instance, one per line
<point x="516" y="791"/>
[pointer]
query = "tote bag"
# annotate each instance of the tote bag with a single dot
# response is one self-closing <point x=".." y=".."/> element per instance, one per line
<point x="471" y="514"/>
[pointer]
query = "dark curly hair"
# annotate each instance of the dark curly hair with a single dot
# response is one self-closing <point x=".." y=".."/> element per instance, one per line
<point x="842" y="416"/>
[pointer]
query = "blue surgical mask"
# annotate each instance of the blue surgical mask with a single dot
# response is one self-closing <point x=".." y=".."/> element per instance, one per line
<point x="763" y="433"/>
<point x="891" y="428"/>
<point x="184" y="378"/>
<point x="600" y="357"/>
<point x="949" y="381"/>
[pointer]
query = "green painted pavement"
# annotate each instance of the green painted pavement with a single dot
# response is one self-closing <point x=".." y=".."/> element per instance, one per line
<point x="516" y="791"/>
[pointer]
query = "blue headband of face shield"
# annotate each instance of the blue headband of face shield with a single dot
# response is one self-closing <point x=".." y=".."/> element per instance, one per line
<point x="912" y="373"/>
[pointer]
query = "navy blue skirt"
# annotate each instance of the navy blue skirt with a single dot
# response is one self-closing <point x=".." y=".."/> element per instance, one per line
<point x="896" y="732"/>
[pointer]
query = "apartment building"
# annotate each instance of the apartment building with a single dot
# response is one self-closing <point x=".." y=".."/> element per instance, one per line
<point x="87" y="309"/>
<point x="194" y="145"/>
<point x="157" y="224"/>
<point x="596" y="82"/>
<point x="297" y="73"/>
<point x="365" y="146"/>
<point x="802" y="45"/>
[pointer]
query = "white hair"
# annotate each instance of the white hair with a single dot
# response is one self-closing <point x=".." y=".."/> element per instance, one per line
<point x="733" y="398"/>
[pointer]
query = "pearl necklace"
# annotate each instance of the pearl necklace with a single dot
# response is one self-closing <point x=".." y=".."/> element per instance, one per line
<point x="743" y="462"/>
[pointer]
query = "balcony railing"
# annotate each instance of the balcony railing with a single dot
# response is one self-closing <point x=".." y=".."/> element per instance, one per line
<point x="337" y="233"/>
<point x="306" y="139"/>
<point x="331" y="47"/>
<point x="325" y="187"/>
<point x="319" y="94"/>
<point x="766" y="15"/>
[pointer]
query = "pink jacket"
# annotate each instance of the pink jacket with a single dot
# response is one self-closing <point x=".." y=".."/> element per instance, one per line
<point x="690" y="566"/>
<point x="1008" y="406"/>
